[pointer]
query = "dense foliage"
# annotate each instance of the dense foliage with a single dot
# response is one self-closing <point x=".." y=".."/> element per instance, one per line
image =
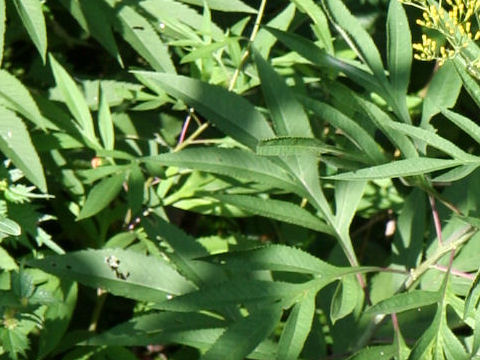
<point x="227" y="179"/>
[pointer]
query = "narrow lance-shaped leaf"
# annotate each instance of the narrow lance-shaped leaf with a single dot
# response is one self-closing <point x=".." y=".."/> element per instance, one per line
<point x="101" y="195"/>
<point x="432" y="139"/>
<point x="297" y="328"/>
<point x="2" y="28"/>
<point x="345" y="298"/>
<point x="405" y="301"/>
<point x="217" y="296"/>
<point x="231" y="162"/>
<point x="97" y="21"/>
<point x="374" y="352"/>
<point x="276" y="258"/>
<point x="105" y="122"/>
<point x="360" y="41"/>
<point x="347" y="197"/>
<point x="230" y="112"/>
<point x="381" y="120"/>
<point x="221" y="5"/>
<point x="278" y="210"/>
<point x="288" y="116"/>
<point x="136" y="184"/>
<point x="15" y="96"/>
<point x="16" y="144"/>
<point x="360" y="137"/>
<point x="265" y="40"/>
<point x="154" y="328"/>
<point x="60" y="314"/>
<point x="468" y="126"/>
<point x="243" y="336"/>
<point x="399" y="49"/>
<point x="74" y="100"/>
<point x="121" y="272"/>
<point x="31" y="13"/>
<point x="288" y="146"/>
<point x="313" y="53"/>
<point x="320" y="20"/>
<point x="400" y="168"/>
<point x="473" y="296"/>
<point x="453" y="348"/>
<point x="442" y="92"/>
<point x="137" y="31"/>
<point x="470" y="84"/>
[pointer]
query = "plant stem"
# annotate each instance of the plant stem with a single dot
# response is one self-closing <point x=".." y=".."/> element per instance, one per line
<point x="101" y="297"/>
<point x="246" y="54"/>
<point x="182" y="144"/>
<point x="455" y="241"/>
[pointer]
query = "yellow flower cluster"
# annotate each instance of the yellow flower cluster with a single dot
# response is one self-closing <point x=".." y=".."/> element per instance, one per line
<point x="454" y="22"/>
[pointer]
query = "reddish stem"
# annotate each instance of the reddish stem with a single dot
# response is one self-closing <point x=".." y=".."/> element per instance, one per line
<point x="436" y="220"/>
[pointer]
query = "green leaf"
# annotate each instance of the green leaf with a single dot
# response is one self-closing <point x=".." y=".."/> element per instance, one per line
<point x="277" y="258"/>
<point x="405" y="301"/>
<point x="105" y="122"/>
<point x="15" y="96"/>
<point x="154" y="328"/>
<point x="470" y="84"/>
<point x="101" y="195"/>
<point x="277" y="210"/>
<point x="231" y="113"/>
<point x="319" y="19"/>
<point x="10" y="227"/>
<point x="345" y="298"/>
<point x="264" y="41"/>
<point x="381" y="119"/>
<point x="14" y="341"/>
<point x="31" y="13"/>
<point x="297" y="328"/>
<point x="348" y="195"/>
<point x="121" y="272"/>
<point x="383" y="352"/>
<point x="136" y="189"/>
<point x="6" y="261"/>
<point x="288" y="116"/>
<point x="453" y="348"/>
<point x="234" y="292"/>
<point x="464" y="123"/>
<point x="473" y="296"/>
<point x="243" y="336"/>
<point x="57" y="318"/>
<point x="455" y="174"/>
<point x="137" y="31"/>
<point x="175" y="15"/>
<point x="357" y="37"/>
<point x="360" y="137"/>
<point x="206" y="51"/>
<point x="407" y="250"/>
<point x="431" y="139"/>
<point x="15" y="143"/>
<point x="288" y="146"/>
<point x="220" y="5"/>
<point x="74" y="100"/>
<point x="97" y="22"/>
<point x="313" y="53"/>
<point x="231" y="162"/>
<point x="185" y="249"/>
<point x="400" y="168"/>
<point x="442" y="92"/>
<point x="2" y="28"/>
<point x="399" y="49"/>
